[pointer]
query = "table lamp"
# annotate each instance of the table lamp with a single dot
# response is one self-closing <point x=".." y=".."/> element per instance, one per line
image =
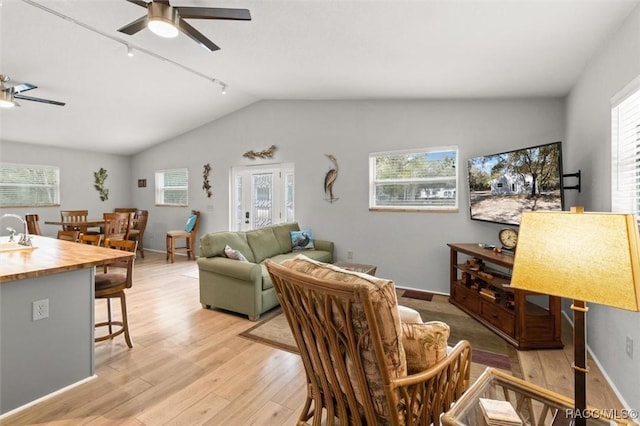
<point x="587" y="257"/>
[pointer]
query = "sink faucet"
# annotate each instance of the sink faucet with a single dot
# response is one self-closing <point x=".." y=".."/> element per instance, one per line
<point x="25" y="239"/>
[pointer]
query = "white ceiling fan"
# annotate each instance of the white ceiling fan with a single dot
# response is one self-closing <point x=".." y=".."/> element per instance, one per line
<point x="8" y="95"/>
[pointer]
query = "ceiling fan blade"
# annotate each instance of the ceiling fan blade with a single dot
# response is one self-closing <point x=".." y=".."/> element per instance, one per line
<point x="214" y="13"/>
<point x="139" y="3"/>
<point x="135" y="26"/>
<point x="23" y="87"/>
<point x="44" y="101"/>
<point x="197" y="36"/>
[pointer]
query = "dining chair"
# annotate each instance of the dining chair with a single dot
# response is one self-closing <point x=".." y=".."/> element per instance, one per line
<point x="69" y="236"/>
<point x="139" y="224"/>
<point x="188" y="234"/>
<point x="125" y="210"/>
<point x="111" y="285"/>
<point x="33" y="224"/>
<point x="116" y="226"/>
<point x="91" y="239"/>
<point x="76" y="216"/>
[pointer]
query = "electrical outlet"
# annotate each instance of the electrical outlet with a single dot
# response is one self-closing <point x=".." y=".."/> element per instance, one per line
<point x="40" y="309"/>
<point x="350" y="255"/>
<point x="629" y="347"/>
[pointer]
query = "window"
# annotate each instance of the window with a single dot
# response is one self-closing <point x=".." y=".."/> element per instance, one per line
<point x="418" y="180"/>
<point x="27" y="185"/>
<point x="625" y="150"/>
<point x="172" y="187"/>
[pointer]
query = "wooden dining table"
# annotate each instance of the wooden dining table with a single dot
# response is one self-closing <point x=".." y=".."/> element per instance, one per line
<point x="80" y="225"/>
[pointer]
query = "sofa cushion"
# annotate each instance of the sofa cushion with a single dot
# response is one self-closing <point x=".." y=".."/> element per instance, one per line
<point x="263" y="243"/>
<point x="213" y="244"/>
<point x="425" y="344"/>
<point x="283" y="235"/>
<point x="319" y="255"/>
<point x="384" y="300"/>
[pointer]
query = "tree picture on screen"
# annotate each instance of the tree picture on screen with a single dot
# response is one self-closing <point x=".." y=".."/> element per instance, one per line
<point x="502" y="186"/>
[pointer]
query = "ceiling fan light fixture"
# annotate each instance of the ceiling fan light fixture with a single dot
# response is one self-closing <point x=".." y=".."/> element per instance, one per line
<point x="6" y="100"/>
<point x="163" y="20"/>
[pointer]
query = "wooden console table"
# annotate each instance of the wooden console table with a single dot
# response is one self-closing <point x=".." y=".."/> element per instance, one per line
<point x="481" y="289"/>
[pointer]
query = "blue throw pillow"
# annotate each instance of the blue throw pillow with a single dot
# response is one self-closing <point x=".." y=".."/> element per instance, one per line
<point x="302" y="240"/>
<point x="191" y="222"/>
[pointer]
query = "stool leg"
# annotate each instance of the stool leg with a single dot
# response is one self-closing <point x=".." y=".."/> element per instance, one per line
<point x="109" y="314"/>
<point x="125" y="322"/>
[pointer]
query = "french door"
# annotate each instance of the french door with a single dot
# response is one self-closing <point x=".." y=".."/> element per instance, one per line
<point x="261" y="196"/>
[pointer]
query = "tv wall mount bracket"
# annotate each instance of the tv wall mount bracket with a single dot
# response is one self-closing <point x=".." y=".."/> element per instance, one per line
<point x="577" y="175"/>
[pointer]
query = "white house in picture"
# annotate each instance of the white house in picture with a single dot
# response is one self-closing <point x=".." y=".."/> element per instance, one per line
<point x="511" y="183"/>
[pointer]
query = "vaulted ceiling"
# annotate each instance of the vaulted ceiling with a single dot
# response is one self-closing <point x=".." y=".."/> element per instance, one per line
<point x="291" y="49"/>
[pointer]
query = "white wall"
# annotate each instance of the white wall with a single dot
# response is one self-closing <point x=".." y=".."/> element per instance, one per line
<point x="76" y="180"/>
<point x="588" y="142"/>
<point x="410" y="248"/>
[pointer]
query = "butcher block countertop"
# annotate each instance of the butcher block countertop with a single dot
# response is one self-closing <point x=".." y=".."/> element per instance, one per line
<point x="50" y="256"/>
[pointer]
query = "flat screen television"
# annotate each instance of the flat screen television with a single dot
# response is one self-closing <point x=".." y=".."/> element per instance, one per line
<point x="502" y="186"/>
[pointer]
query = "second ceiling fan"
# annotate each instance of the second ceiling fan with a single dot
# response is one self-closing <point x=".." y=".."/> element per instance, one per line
<point x="166" y="20"/>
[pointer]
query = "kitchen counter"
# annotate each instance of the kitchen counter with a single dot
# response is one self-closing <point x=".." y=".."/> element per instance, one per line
<point x="49" y="256"/>
<point x="46" y="317"/>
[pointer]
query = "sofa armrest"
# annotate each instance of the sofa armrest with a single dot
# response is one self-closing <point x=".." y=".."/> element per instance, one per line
<point x="233" y="268"/>
<point x="323" y="245"/>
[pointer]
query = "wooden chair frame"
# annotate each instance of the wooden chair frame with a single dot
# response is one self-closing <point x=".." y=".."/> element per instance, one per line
<point x="138" y="225"/>
<point x="118" y="284"/>
<point x="116" y="226"/>
<point x="33" y="223"/>
<point x="68" y="235"/>
<point x="319" y="314"/>
<point x="189" y="237"/>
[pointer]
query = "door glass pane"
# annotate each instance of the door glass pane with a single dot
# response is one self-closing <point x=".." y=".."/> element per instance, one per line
<point x="239" y="212"/>
<point x="262" y="208"/>
<point x="288" y="197"/>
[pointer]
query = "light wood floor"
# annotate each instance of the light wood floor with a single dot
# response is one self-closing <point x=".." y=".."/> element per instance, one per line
<point x="188" y="366"/>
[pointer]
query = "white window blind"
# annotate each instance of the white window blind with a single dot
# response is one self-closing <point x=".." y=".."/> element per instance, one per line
<point x="418" y="180"/>
<point x="172" y="187"/>
<point x="27" y="185"/>
<point x="625" y="150"/>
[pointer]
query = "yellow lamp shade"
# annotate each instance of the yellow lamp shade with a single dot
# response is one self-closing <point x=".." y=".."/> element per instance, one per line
<point x="583" y="256"/>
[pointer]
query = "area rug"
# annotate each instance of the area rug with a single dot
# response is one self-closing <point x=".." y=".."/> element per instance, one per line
<point x="488" y="349"/>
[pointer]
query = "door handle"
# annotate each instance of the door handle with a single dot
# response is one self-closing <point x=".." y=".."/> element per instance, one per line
<point x="246" y="217"/>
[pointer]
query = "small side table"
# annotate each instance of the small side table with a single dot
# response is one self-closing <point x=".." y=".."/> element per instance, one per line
<point x="357" y="267"/>
<point x="534" y="404"/>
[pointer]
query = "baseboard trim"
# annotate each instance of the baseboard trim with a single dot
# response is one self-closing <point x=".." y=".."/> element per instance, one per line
<point x="48" y="396"/>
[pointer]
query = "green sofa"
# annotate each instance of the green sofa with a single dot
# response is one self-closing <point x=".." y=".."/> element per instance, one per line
<point x="245" y="287"/>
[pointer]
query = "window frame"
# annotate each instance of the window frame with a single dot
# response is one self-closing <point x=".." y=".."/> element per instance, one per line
<point x="428" y="207"/>
<point x="31" y="202"/>
<point x="625" y="149"/>
<point x="160" y="188"/>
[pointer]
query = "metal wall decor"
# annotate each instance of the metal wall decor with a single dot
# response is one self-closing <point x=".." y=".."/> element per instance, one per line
<point x="206" y="186"/>
<point x="330" y="179"/>
<point x="100" y="176"/>
<point x="265" y="153"/>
